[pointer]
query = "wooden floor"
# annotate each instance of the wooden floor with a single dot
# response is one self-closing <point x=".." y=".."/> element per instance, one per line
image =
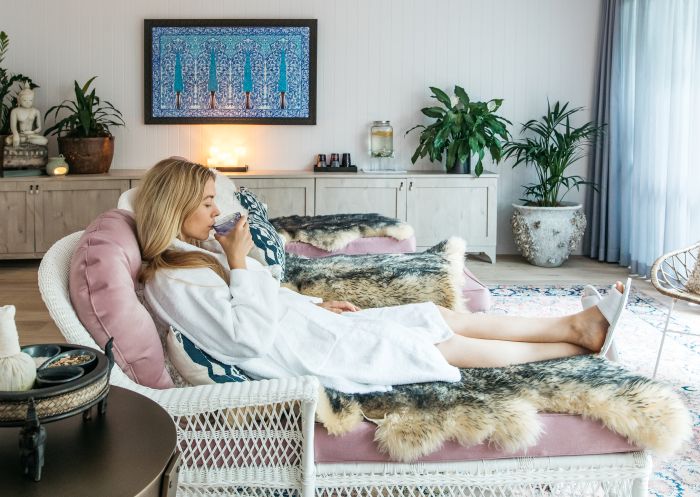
<point x="18" y="286"/>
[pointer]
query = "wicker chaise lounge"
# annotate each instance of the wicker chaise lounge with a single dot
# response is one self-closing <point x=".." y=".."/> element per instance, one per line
<point x="260" y="438"/>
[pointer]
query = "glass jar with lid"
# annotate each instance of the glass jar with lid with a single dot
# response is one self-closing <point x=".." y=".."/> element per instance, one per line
<point x="381" y="136"/>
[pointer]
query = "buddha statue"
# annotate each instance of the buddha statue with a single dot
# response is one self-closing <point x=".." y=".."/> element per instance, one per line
<point x="25" y="121"/>
<point x="26" y="148"/>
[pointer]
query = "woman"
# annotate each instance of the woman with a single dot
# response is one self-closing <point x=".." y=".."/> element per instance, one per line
<point x="230" y="306"/>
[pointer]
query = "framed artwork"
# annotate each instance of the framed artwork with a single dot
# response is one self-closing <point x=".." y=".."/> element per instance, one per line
<point x="230" y="71"/>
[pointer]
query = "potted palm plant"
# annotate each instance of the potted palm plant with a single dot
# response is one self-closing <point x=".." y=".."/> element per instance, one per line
<point x="545" y="228"/>
<point x="84" y="138"/>
<point x="461" y="130"/>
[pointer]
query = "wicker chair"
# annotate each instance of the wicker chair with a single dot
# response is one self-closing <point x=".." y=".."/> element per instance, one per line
<point x="257" y="438"/>
<point x="669" y="275"/>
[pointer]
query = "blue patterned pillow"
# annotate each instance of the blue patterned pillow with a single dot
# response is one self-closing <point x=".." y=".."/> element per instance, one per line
<point x="196" y="366"/>
<point x="270" y="245"/>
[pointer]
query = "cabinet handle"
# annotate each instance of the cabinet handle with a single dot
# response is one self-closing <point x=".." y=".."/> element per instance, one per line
<point x="31" y="189"/>
<point x="410" y="186"/>
<point x="401" y="186"/>
<point x="36" y="190"/>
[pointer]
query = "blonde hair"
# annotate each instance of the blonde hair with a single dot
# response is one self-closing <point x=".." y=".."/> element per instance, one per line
<point x="169" y="192"/>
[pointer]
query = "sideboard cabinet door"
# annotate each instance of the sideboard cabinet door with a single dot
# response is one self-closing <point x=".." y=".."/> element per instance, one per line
<point x="63" y="207"/>
<point x="349" y="195"/>
<point x="438" y="208"/>
<point x="17" y="220"/>
<point x="283" y="196"/>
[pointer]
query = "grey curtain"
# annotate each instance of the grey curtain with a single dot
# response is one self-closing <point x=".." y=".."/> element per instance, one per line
<point x="602" y="240"/>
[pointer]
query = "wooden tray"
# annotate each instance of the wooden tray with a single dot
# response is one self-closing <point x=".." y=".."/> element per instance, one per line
<point x="59" y="401"/>
<point x="339" y="169"/>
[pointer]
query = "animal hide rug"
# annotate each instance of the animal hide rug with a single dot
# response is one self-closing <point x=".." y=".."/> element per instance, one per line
<point x="333" y="232"/>
<point x="379" y="280"/>
<point x="500" y="406"/>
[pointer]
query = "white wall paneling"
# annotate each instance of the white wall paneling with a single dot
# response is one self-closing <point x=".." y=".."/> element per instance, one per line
<point x="376" y="59"/>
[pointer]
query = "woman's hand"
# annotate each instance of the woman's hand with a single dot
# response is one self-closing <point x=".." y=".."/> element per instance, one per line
<point x="339" y="306"/>
<point x="237" y="243"/>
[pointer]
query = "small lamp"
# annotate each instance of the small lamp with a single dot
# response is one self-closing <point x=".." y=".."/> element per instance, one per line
<point x="226" y="162"/>
<point x="57" y="166"/>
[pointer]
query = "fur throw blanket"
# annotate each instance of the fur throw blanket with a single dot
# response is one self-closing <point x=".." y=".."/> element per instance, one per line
<point x="500" y="405"/>
<point x="333" y="232"/>
<point x="379" y="280"/>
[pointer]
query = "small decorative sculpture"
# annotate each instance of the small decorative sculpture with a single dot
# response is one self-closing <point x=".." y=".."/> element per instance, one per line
<point x="25" y="121"/>
<point x="57" y="166"/>
<point x="32" y="438"/>
<point x="26" y="147"/>
<point x="17" y="369"/>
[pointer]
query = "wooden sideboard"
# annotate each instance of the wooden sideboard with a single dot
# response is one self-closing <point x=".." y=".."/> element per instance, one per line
<point x="41" y="210"/>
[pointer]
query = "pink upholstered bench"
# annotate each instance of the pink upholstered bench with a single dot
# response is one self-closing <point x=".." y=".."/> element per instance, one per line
<point x="564" y="435"/>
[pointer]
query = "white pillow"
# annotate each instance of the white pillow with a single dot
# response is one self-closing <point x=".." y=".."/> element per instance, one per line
<point x="126" y="200"/>
<point x="225" y="198"/>
<point x="196" y="366"/>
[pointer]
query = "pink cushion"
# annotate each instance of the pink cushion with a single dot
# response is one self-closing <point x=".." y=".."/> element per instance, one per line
<point x="368" y="245"/>
<point x="103" y="293"/>
<point x="564" y="435"/>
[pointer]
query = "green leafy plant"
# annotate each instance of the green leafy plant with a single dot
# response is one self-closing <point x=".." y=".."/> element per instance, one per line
<point x="554" y="145"/>
<point x="462" y="130"/>
<point x="88" y="116"/>
<point x="8" y="100"/>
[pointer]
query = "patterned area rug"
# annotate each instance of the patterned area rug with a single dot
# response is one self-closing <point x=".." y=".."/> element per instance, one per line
<point x="637" y="341"/>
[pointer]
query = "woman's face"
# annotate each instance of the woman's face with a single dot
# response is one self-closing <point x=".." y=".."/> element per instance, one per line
<point x="198" y="224"/>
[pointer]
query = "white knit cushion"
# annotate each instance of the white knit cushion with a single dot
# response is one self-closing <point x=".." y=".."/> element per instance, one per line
<point x="126" y="200"/>
<point x="693" y="283"/>
<point x="225" y="198"/>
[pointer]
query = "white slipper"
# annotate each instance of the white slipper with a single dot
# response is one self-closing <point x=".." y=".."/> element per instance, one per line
<point x="590" y="298"/>
<point x="611" y="306"/>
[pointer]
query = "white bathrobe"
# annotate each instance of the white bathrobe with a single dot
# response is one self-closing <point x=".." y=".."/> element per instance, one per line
<point x="272" y="332"/>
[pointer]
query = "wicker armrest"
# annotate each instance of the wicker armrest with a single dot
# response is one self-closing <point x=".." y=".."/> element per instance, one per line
<point x="206" y="398"/>
<point x="232" y="433"/>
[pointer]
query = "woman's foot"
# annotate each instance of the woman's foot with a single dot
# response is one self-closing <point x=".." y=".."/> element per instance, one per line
<point x="593" y="325"/>
<point x="589" y="298"/>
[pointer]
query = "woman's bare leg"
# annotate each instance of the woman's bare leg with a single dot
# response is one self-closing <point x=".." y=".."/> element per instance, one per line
<point x="585" y="329"/>
<point x="465" y="352"/>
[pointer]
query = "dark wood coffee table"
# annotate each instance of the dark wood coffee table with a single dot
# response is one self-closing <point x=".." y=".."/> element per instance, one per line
<point x="124" y="453"/>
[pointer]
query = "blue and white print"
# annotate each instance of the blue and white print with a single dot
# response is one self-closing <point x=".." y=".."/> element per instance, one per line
<point x="265" y="237"/>
<point x="217" y="370"/>
<point x="231" y="72"/>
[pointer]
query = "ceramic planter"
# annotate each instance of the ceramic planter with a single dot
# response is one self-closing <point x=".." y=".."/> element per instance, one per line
<point x="461" y="167"/>
<point x="87" y="155"/>
<point x="546" y="236"/>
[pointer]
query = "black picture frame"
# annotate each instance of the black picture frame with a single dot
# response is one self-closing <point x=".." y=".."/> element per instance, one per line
<point x="193" y="115"/>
